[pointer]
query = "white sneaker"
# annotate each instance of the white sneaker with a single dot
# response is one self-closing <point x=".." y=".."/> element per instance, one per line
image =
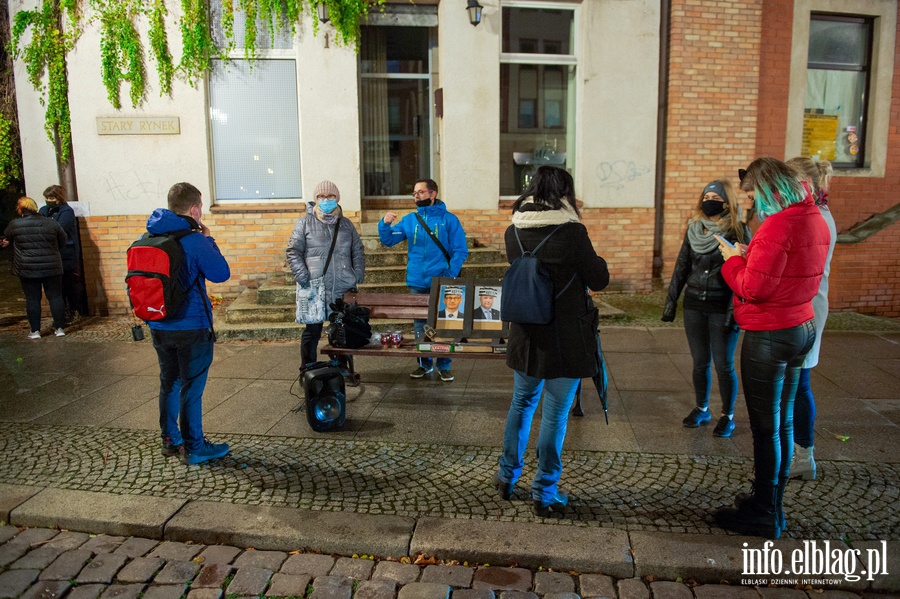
<point x="34" y="335"/>
<point x="60" y="332"/>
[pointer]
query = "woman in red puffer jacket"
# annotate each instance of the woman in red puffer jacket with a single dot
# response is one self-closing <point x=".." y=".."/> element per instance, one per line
<point x="774" y="279"/>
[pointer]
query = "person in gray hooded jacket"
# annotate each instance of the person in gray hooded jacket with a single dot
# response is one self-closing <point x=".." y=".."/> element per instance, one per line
<point x="307" y="253"/>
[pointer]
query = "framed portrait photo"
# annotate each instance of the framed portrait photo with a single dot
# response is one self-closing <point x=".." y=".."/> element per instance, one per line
<point x="487" y="321"/>
<point x="447" y="309"/>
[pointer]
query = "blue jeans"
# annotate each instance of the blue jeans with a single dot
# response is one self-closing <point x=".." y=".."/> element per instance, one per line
<point x="184" y="360"/>
<point x="804" y="412"/>
<point x="710" y="340"/>
<point x="558" y="398"/>
<point x="419" y="328"/>
<point x="770" y="368"/>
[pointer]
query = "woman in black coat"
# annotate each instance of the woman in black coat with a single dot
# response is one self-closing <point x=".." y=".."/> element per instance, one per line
<point x="59" y="210"/>
<point x="553" y="357"/>
<point x="708" y="316"/>
<point x="37" y="243"/>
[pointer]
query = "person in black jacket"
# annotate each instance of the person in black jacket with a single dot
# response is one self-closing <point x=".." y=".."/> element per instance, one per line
<point x="708" y="314"/>
<point x="554" y="357"/>
<point x="37" y="242"/>
<point x="59" y="210"/>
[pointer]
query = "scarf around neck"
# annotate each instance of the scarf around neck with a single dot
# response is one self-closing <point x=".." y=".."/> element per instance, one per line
<point x="328" y="219"/>
<point x="701" y="233"/>
<point x="532" y="219"/>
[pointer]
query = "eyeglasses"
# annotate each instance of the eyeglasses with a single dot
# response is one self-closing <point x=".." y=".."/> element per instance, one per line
<point x="421" y="192"/>
<point x="742" y="172"/>
<point x="329" y="197"/>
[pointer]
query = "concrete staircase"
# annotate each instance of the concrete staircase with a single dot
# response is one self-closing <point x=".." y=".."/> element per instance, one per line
<point x="267" y="313"/>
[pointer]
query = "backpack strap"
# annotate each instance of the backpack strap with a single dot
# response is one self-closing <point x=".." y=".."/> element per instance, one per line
<point x="543" y="241"/>
<point x="178" y="235"/>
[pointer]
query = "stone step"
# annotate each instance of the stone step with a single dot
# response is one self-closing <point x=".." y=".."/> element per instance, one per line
<point x="372" y="243"/>
<point x="291" y="331"/>
<point x="280" y="288"/>
<point x="383" y="256"/>
<point x="245" y="328"/>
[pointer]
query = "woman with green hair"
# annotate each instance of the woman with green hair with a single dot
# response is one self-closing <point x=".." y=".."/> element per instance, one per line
<point x="774" y="279"/>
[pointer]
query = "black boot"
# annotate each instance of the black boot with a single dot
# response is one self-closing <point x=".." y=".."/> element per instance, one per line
<point x="753" y="514"/>
<point x="742" y="498"/>
<point x="779" y="503"/>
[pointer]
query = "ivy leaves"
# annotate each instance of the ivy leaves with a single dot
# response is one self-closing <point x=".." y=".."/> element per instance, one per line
<point x="46" y="54"/>
<point x="10" y="163"/>
<point x="122" y="51"/>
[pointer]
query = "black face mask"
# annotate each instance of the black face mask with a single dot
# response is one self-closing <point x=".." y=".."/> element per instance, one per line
<point x="712" y="207"/>
<point x="423" y="203"/>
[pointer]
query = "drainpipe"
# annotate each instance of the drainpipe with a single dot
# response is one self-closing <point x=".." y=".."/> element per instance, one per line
<point x="661" y="125"/>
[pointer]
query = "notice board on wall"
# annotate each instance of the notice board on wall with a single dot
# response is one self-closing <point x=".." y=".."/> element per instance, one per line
<point x="820" y="135"/>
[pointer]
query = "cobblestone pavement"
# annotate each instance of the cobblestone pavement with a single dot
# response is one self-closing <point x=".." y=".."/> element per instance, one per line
<point x="39" y="563"/>
<point x="627" y="491"/>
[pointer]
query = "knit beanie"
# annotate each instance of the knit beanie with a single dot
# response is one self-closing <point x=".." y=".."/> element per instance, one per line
<point x="327" y="188"/>
<point x="714" y="187"/>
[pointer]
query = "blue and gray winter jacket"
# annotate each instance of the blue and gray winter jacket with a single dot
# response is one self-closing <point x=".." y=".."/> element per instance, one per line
<point x="202" y="259"/>
<point x="425" y="259"/>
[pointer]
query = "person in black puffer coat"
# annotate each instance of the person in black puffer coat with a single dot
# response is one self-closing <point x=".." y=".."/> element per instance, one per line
<point x="37" y="261"/>
<point x="59" y="210"/>
<point x="550" y="358"/>
<point x="708" y="316"/>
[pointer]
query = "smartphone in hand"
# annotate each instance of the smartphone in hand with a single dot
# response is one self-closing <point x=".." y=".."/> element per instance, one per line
<point x="725" y="241"/>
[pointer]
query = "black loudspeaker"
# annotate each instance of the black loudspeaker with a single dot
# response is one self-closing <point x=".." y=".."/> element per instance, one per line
<point x="326" y="397"/>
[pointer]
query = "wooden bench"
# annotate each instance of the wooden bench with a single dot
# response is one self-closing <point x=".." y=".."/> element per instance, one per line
<point x="396" y="306"/>
<point x="406" y="306"/>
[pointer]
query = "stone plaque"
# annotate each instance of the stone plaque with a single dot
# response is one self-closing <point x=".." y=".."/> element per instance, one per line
<point x="123" y="125"/>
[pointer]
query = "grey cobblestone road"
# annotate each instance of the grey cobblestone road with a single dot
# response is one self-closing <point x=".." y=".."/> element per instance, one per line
<point x="628" y="491"/>
<point x="39" y="563"/>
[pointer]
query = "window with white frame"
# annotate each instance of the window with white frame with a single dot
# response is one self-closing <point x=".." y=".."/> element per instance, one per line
<point x="253" y="114"/>
<point x="837" y="85"/>
<point x="537" y="90"/>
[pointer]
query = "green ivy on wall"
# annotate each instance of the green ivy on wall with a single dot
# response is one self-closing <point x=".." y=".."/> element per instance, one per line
<point x="9" y="155"/>
<point x="122" y="51"/>
<point x="44" y="55"/>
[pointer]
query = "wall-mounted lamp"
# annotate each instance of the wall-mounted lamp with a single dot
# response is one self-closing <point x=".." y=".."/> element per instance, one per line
<point x="322" y="12"/>
<point x="474" y="10"/>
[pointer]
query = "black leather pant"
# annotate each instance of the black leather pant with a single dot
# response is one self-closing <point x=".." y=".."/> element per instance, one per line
<point x="770" y="369"/>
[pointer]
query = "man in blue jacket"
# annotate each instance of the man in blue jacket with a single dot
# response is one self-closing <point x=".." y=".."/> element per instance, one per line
<point x="184" y="341"/>
<point x="425" y="259"/>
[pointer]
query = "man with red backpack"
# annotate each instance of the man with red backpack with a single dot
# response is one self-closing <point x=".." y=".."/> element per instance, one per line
<point x="184" y="339"/>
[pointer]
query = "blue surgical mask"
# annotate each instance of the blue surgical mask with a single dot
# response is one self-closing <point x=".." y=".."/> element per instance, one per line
<point x="327" y="206"/>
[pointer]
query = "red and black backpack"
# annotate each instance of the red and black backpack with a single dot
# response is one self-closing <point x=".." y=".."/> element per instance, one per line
<point x="154" y="264"/>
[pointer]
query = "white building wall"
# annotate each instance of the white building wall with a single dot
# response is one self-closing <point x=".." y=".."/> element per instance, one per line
<point x="37" y="149"/>
<point x="470" y="130"/>
<point x="328" y="87"/>
<point x="131" y="174"/>
<point x="616" y="139"/>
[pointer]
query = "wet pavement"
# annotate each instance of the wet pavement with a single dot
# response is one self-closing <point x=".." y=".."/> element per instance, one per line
<point x="78" y="430"/>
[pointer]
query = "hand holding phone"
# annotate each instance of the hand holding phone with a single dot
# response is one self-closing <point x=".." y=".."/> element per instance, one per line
<point x="725" y="241"/>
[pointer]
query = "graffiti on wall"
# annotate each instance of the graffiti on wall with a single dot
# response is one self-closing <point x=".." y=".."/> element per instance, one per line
<point x="620" y="173"/>
<point x="133" y="186"/>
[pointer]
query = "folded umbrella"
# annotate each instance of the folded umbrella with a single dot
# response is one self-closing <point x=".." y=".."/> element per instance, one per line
<point x="601" y="380"/>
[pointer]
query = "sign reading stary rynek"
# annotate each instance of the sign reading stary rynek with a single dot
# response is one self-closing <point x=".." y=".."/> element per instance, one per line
<point x="123" y="125"/>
